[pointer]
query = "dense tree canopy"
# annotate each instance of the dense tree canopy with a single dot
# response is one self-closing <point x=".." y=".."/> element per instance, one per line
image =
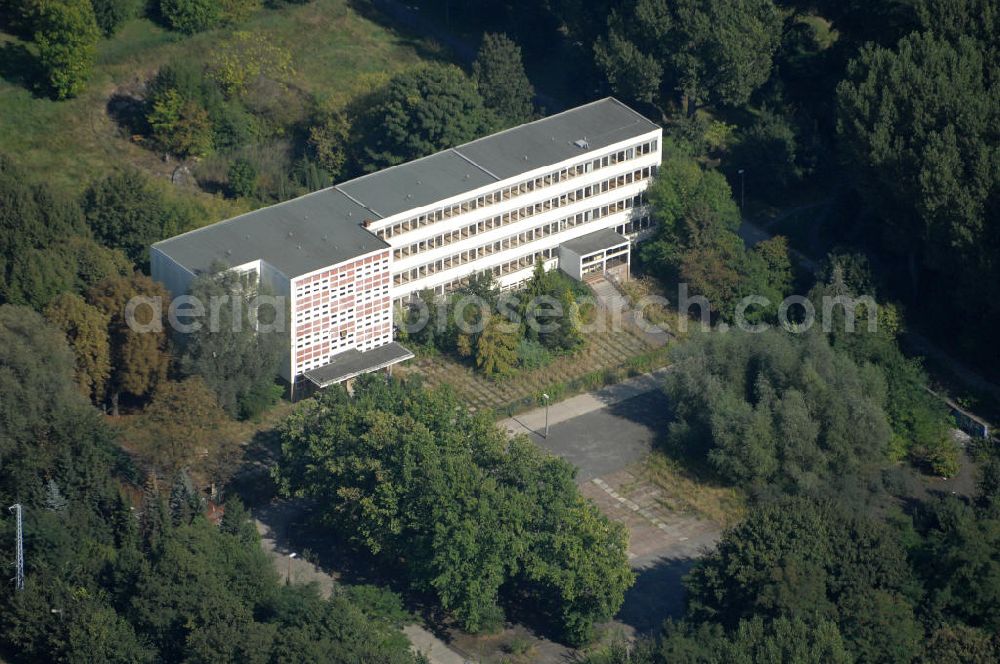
<point x="744" y="403"/>
<point x="696" y="242"/>
<point x="235" y="358"/>
<point x="419" y="112"/>
<point x="498" y="72"/>
<point x="45" y="247"/>
<point x="718" y="51"/>
<point x="86" y="330"/>
<point x="127" y="211"/>
<point x="66" y="35"/>
<point x="184" y="428"/>
<point x="919" y="124"/>
<point x="408" y="475"/>
<point x="111" y="14"/>
<point x="110" y="578"/>
<point x="140" y="347"/>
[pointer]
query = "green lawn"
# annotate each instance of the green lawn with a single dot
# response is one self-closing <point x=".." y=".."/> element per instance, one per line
<point x="336" y="54"/>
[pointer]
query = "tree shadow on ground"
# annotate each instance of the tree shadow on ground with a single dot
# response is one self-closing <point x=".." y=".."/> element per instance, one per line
<point x="410" y="27"/>
<point x="651" y="409"/>
<point x="658" y="594"/>
<point x="128" y="112"/>
<point x="19" y="67"/>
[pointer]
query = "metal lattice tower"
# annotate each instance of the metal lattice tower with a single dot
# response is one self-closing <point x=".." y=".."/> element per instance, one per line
<point x="19" y="563"/>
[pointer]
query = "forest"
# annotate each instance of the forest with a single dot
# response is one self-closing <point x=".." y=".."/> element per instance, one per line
<point x="865" y="131"/>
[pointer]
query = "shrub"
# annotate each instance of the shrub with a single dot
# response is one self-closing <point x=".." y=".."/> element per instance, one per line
<point x="191" y="16"/>
<point x="242" y="177"/>
<point x="111" y="14"/>
<point x="66" y="35"/>
<point x="532" y="355"/>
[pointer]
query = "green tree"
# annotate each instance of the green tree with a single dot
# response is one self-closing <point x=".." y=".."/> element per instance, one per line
<point x="111" y="14"/>
<point x="191" y="16"/>
<point x="419" y="112"/>
<point x="769" y="153"/>
<point x="411" y="476"/>
<point x="47" y="429"/>
<point x="498" y="72"/>
<point x="86" y="330"/>
<point x="238" y="362"/>
<point x="242" y="59"/>
<point x="758" y="422"/>
<point x="496" y="348"/>
<point x="960" y="644"/>
<point x="712" y="52"/>
<point x="66" y="36"/>
<point x="45" y="248"/>
<point x="183" y="428"/>
<point x="181" y="126"/>
<point x="696" y="242"/>
<point x="959" y="559"/>
<point x="919" y="126"/>
<point x="329" y="136"/>
<point x="242" y="176"/>
<point x="127" y="211"/>
<point x="812" y="563"/>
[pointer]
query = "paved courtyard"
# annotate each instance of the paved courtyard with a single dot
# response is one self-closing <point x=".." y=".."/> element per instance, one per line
<point x="606" y="434"/>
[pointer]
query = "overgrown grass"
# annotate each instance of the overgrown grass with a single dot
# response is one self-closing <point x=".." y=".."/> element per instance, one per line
<point x="686" y="490"/>
<point x="608" y="356"/>
<point x="337" y="54"/>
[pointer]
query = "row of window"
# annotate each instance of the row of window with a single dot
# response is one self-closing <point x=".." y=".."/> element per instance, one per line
<point x="362" y="341"/>
<point x="513" y="216"/>
<point x="342" y="279"/>
<point x="518" y="189"/>
<point x="512" y="241"/>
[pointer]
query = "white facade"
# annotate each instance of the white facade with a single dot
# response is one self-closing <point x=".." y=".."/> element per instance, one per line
<point x="508" y="225"/>
<point x="344" y="254"/>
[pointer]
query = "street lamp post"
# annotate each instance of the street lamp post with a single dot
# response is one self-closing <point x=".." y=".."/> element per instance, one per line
<point x="546" y="398"/>
<point x="742" y="191"/>
<point x="288" y="574"/>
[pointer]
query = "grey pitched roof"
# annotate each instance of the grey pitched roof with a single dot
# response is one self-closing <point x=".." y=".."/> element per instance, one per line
<point x="596" y="241"/>
<point x="324" y="227"/>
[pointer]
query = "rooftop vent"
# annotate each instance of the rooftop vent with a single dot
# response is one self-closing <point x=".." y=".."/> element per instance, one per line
<point x="581" y="143"/>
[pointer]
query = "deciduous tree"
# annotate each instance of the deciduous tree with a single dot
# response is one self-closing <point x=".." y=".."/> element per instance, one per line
<point x="183" y="428"/>
<point x="712" y="52"/>
<point x="419" y="112"/>
<point x="86" y="330"/>
<point x="239" y="363"/>
<point x="66" y="36"/>
<point x="139" y="357"/>
<point x="127" y="211"/>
